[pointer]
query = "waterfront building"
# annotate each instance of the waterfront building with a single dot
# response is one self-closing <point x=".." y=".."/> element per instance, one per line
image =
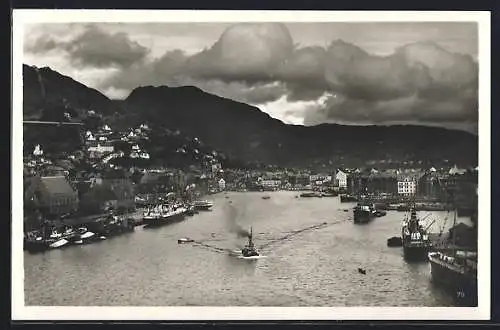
<point x="407" y="183"/>
<point x="341" y="178"/>
<point x="52" y="194"/>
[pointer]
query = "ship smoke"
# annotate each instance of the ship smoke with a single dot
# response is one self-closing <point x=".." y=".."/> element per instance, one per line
<point x="232" y="224"/>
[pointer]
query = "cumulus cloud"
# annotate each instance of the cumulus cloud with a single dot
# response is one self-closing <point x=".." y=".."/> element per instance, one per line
<point x="94" y="48"/>
<point x="258" y="63"/>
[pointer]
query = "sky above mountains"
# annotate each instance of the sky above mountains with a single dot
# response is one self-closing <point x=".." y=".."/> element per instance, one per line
<point x="300" y="73"/>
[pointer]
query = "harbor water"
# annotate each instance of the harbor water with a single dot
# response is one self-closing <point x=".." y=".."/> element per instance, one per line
<point x="314" y="267"/>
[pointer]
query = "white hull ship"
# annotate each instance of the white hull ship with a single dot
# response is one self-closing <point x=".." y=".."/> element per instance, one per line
<point x="161" y="215"/>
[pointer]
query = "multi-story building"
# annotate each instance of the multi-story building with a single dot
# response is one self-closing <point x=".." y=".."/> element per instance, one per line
<point x="407" y="184"/>
<point x="341" y="179"/>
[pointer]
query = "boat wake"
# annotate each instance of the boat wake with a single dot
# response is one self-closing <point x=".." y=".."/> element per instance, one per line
<point x="252" y="258"/>
<point x="238" y="253"/>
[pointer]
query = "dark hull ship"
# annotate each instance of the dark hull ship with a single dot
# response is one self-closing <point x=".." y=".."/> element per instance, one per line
<point x="111" y="226"/>
<point x="348" y="198"/>
<point x="456" y="271"/>
<point x="416" y="242"/>
<point x="364" y="212"/>
<point x="249" y="250"/>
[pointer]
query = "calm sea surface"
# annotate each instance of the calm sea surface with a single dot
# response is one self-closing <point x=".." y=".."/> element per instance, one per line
<point x="316" y="267"/>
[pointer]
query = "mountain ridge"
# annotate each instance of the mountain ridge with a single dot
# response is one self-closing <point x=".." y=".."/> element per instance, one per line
<point x="245" y="132"/>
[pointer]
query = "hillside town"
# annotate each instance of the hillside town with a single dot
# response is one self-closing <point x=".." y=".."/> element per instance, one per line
<point x="114" y="171"/>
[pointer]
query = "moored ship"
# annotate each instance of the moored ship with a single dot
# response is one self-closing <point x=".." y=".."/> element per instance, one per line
<point x="163" y="214"/>
<point x="346" y="198"/>
<point x="416" y="242"/>
<point x="364" y="212"/>
<point x="456" y="270"/>
<point x="203" y="205"/>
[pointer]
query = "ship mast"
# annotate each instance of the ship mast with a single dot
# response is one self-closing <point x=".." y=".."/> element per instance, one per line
<point x="250" y="243"/>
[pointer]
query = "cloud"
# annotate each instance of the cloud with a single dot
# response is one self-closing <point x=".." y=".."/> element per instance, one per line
<point x="94" y="48"/>
<point x="259" y="64"/>
<point x="245" y="52"/>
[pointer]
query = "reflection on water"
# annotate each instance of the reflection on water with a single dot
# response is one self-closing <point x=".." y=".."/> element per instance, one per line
<point x="314" y="267"/>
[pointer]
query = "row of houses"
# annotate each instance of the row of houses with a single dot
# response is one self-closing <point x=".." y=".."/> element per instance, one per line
<point x="102" y="142"/>
<point x="431" y="182"/>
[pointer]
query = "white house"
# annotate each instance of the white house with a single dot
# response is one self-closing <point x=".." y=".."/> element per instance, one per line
<point x="341" y="178"/>
<point x="106" y="128"/>
<point x="134" y="154"/>
<point x="222" y="184"/>
<point x="103" y="138"/>
<point x="144" y="155"/>
<point x="144" y="126"/>
<point x="38" y="151"/>
<point x="135" y="147"/>
<point x="100" y="149"/>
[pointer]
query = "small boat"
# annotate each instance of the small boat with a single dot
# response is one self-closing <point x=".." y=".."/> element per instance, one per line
<point x="348" y="198"/>
<point x="266" y="197"/>
<point x="311" y="194"/>
<point x="85" y="234"/>
<point x="185" y="240"/>
<point x="59" y="243"/>
<point x="395" y="242"/>
<point x="203" y="205"/>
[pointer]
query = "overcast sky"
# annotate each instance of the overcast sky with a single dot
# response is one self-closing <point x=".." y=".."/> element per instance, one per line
<point x="300" y="73"/>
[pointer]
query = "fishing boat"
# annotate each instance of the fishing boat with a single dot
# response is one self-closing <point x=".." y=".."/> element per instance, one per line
<point x="203" y="205"/>
<point x="416" y="242"/>
<point x="456" y="270"/>
<point x="249" y="250"/>
<point x="364" y="212"/>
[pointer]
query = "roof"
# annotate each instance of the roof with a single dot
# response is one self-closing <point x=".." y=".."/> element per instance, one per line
<point x="30" y="186"/>
<point x="57" y="185"/>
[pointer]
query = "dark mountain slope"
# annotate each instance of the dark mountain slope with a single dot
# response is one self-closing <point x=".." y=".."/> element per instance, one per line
<point x="246" y="133"/>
